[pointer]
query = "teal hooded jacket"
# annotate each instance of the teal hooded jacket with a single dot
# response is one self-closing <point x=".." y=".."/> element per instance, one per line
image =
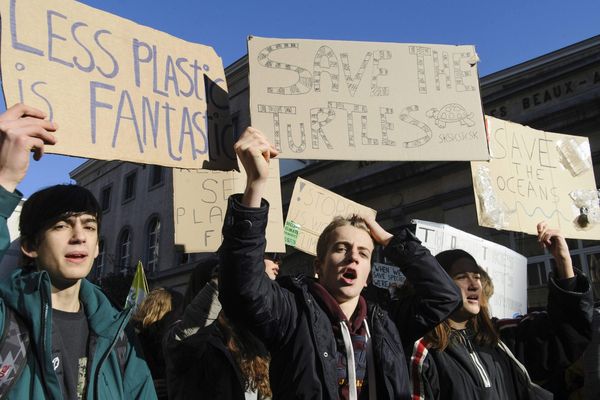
<point x="28" y="294"/>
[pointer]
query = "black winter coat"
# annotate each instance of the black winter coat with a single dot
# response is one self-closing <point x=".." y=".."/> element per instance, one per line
<point x="204" y="367"/>
<point x="545" y="343"/>
<point x="298" y="333"/>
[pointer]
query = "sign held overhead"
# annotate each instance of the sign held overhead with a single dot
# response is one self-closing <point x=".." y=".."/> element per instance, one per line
<point x="119" y="90"/>
<point x="533" y="176"/>
<point x="337" y="100"/>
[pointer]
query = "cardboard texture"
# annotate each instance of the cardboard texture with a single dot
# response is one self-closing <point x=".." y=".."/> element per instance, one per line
<point x="528" y="181"/>
<point x="200" y="202"/>
<point x="507" y="268"/>
<point x="384" y="276"/>
<point x="339" y="100"/>
<point x="117" y="89"/>
<point x="311" y="209"/>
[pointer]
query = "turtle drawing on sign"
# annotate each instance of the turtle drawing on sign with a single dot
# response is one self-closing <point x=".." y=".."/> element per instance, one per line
<point x="451" y="113"/>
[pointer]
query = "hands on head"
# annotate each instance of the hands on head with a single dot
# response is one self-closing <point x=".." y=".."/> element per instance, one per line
<point x="379" y="235"/>
<point x="254" y="151"/>
<point x="23" y="129"/>
<point x="554" y="241"/>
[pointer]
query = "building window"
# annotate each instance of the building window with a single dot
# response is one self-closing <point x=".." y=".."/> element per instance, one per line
<point x="594" y="266"/>
<point x="184" y="258"/>
<point x="536" y="274"/>
<point x="129" y="187"/>
<point x="124" y="250"/>
<point x="152" y="242"/>
<point x="105" y="198"/>
<point x="156" y="176"/>
<point x="235" y="127"/>
<point x="99" y="270"/>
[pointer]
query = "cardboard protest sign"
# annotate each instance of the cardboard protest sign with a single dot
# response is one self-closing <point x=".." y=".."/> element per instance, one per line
<point x="534" y="176"/>
<point x="200" y="202"/>
<point x="507" y="268"/>
<point x="311" y="209"/>
<point x="117" y="89"/>
<point x="384" y="276"/>
<point x="339" y="100"/>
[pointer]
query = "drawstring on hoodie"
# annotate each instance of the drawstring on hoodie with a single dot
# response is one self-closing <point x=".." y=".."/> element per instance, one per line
<point x="370" y="366"/>
<point x="350" y="360"/>
<point x="351" y="363"/>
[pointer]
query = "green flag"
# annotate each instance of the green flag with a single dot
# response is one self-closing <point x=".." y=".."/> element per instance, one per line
<point x="139" y="287"/>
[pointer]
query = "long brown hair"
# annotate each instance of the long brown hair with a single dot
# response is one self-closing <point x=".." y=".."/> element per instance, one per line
<point x="250" y="355"/>
<point x="154" y="307"/>
<point x="481" y="324"/>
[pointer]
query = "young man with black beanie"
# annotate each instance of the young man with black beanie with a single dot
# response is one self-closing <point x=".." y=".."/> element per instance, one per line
<point x="80" y="344"/>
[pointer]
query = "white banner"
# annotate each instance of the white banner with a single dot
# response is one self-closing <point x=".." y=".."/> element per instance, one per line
<point x="507" y="268"/>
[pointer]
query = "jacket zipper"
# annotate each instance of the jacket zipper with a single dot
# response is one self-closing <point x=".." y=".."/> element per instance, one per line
<point x="44" y="344"/>
<point x="476" y="361"/>
<point x="312" y="311"/>
<point x="107" y="353"/>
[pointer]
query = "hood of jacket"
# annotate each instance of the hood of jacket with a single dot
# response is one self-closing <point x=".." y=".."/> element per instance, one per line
<point x="28" y="291"/>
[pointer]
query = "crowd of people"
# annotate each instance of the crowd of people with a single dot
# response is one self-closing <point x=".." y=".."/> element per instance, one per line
<point x="242" y="332"/>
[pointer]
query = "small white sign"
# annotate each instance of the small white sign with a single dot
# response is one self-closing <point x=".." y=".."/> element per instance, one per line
<point x="386" y="276"/>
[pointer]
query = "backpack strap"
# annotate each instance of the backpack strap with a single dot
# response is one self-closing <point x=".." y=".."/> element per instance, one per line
<point x="14" y="346"/>
<point x="121" y="349"/>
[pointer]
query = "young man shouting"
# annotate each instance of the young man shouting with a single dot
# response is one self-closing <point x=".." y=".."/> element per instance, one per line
<point x="325" y="341"/>
<point x="80" y="346"/>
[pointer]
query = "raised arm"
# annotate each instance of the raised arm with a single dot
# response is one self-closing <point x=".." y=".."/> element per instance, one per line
<point x="435" y="294"/>
<point x="549" y="343"/>
<point x="570" y="300"/>
<point x="23" y="130"/>
<point x="245" y="291"/>
<point x="201" y="312"/>
<point x="554" y="241"/>
<point x="254" y="151"/>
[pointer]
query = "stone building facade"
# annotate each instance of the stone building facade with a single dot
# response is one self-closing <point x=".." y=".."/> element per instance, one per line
<point x="137" y="220"/>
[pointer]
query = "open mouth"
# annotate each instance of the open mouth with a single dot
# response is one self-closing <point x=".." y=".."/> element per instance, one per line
<point x="473" y="298"/>
<point x="349" y="274"/>
<point x="76" y="256"/>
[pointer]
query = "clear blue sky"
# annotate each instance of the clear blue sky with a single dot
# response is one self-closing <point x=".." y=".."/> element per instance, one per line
<point x="505" y="33"/>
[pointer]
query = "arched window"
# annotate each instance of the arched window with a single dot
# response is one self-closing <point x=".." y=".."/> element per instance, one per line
<point x="152" y="241"/>
<point x="124" y="250"/>
<point x="99" y="270"/>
